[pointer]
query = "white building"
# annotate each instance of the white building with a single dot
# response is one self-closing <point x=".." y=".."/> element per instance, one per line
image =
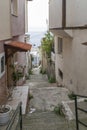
<point x="68" y="23"/>
<point x="35" y="56"/>
<point x="13" y="16"/>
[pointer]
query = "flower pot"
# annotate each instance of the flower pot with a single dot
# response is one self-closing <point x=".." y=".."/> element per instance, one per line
<point x="5" y="116"/>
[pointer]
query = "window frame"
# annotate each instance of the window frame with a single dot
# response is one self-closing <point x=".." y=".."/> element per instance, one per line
<point x="60" y="45"/>
<point x="2" y="68"/>
<point x="60" y="73"/>
<point x="14" y="7"/>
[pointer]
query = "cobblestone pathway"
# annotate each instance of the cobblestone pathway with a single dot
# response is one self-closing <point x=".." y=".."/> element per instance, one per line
<point x="45" y="97"/>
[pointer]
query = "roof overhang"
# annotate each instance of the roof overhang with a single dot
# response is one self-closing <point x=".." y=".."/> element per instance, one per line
<point x="85" y="43"/>
<point x="16" y="46"/>
<point x="63" y="33"/>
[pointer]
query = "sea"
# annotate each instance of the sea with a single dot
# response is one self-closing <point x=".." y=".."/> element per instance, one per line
<point x="35" y="40"/>
<point x="35" y="37"/>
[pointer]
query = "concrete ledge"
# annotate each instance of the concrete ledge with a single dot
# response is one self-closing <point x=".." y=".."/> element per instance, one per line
<point x="68" y="111"/>
<point x="19" y="94"/>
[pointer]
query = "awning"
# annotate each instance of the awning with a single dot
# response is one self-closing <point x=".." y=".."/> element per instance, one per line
<point x="18" y="46"/>
<point x="14" y="46"/>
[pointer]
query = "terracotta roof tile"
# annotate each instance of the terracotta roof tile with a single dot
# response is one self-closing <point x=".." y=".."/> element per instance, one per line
<point x="19" y="46"/>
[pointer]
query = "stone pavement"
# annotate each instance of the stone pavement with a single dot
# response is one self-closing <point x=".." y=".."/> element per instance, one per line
<point x="45" y="97"/>
<point x="46" y="120"/>
<point x="19" y="94"/>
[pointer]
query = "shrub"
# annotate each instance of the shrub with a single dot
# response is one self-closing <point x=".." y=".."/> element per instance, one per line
<point x="30" y="96"/>
<point x="17" y="73"/>
<point x="58" y="110"/>
<point x="52" y="80"/>
<point x="30" y="72"/>
<point x="42" y="71"/>
<point x="47" y="42"/>
<point x="85" y="100"/>
<point x="71" y="95"/>
<point x="27" y="77"/>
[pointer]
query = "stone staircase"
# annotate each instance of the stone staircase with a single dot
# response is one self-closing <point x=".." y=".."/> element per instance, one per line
<point x="38" y="77"/>
<point x="46" y="95"/>
<point x="46" y="121"/>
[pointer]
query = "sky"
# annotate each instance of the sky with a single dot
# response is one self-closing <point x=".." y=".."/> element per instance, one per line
<point x="37" y="15"/>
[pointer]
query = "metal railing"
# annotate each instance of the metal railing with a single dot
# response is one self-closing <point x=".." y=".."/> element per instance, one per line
<point x="19" y="119"/>
<point x="80" y="109"/>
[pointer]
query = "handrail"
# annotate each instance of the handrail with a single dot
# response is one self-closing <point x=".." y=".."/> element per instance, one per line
<point x="80" y="96"/>
<point x="11" y="122"/>
<point x="80" y="109"/>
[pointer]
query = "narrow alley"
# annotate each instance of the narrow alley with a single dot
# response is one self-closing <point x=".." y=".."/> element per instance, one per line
<point x="43" y="65"/>
<point x="46" y="96"/>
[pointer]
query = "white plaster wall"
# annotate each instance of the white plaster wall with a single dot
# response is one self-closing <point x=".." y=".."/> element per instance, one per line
<point x="58" y="60"/>
<point x="55" y="13"/>
<point x="69" y="71"/>
<point x="69" y="32"/>
<point x="70" y="12"/>
<point x="26" y="16"/>
<point x="18" y="23"/>
<point x="74" y="62"/>
<point x="80" y="59"/>
<point x="21" y="58"/>
<point x="5" y="30"/>
<point x="76" y="12"/>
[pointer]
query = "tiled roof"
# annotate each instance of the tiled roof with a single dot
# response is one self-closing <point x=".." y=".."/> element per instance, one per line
<point x="19" y="46"/>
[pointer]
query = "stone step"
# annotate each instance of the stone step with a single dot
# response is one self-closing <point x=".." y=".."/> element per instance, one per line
<point x="41" y="85"/>
<point x="45" y="121"/>
<point x="37" y="83"/>
<point x="46" y="127"/>
<point x="46" y="96"/>
<point x="38" y="77"/>
<point x="44" y="115"/>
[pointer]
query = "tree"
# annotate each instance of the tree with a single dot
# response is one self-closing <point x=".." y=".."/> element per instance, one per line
<point x="47" y="42"/>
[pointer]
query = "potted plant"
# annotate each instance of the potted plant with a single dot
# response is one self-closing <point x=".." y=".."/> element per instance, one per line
<point x="4" y="109"/>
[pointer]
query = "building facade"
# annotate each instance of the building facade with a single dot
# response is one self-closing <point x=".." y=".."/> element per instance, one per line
<point x="68" y="23"/>
<point x="12" y="41"/>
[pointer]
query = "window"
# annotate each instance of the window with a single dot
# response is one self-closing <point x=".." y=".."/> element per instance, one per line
<point x="60" y="73"/>
<point x="2" y="64"/>
<point x="53" y="50"/>
<point x="14" y="7"/>
<point x="60" y="45"/>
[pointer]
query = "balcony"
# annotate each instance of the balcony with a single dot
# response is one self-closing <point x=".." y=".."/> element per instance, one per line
<point x="67" y="14"/>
